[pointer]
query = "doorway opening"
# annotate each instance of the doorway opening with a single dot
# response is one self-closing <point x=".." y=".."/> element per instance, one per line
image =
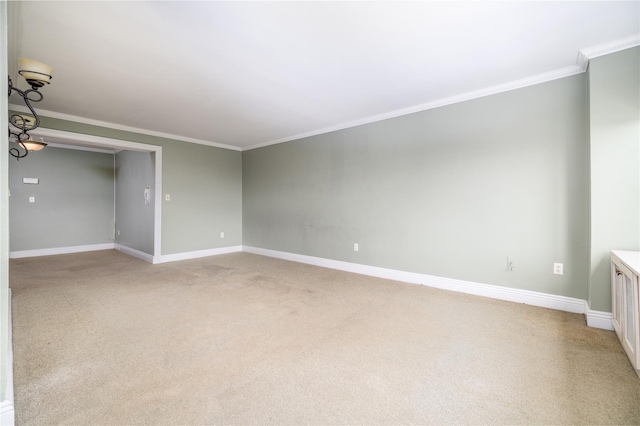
<point x="62" y="139"/>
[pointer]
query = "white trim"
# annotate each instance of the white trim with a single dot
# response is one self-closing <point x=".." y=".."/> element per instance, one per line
<point x="552" y="301"/>
<point x="605" y="49"/>
<point x="582" y="63"/>
<point x="7" y="411"/>
<point x="199" y="253"/>
<point x="599" y="319"/>
<point x="581" y="66"/>
<point x="60" y="250"/>
<point x="157" y="205"/>
<point x="91" y="140"/>
<point x="516" y="84"/>
<point x="81" y="148"/>
<point x="135" y="253"/>
<point x="115" y="195"/>
<point x="108" y="125"/>
<point x="629" y="258"/>
<point x="99" y="141"/>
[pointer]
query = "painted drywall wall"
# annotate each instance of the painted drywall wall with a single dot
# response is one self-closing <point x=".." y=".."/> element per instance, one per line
<point x="73" y="199"/>
<point x="614" y="102"/>
<point x="450" y="192"/>
<point x="4" y="208"/>
<point x="204" y="184"/>
<point x="134" y="172"/>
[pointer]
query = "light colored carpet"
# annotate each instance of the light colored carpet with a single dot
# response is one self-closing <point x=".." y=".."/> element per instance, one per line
<point x="103" y="338"/>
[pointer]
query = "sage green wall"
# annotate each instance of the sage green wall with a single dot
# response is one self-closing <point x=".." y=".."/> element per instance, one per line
<point x="450" y="192"/>
<point x="614" y="90"/>
<point x="4" y="207"/>
<point x="134" y="219"/>
<point x="73" y="200"/>
<point x="205" y="184"/>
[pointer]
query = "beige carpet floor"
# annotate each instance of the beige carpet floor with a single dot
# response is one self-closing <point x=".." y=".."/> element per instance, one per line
<point x="102" y="338"/>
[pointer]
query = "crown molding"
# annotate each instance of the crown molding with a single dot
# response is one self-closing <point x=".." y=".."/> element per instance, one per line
<point x="92" y="122"/>
<point x="582" y="63"/>
<point x="505" y="87"/>
<point x="589" y="53"/>
<point x="581" y="66"/>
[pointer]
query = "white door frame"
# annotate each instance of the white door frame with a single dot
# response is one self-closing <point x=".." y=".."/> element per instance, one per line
<point x="101" y="142"/>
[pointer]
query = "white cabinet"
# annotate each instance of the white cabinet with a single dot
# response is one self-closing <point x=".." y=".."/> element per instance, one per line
<point x="625" y="267"/>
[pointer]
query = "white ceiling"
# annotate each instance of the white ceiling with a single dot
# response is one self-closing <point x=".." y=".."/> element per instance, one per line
<point x="245" y="74"/>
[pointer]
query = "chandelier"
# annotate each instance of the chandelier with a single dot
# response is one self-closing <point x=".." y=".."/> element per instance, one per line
<point x="37" y="75"/>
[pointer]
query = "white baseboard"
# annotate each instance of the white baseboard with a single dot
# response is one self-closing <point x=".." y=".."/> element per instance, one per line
<point x="552" y="301"/>
<point x="60" y="250"/>
<point x="7" y="411"/>
<point x="596" y="319"/>
<point x="599" y="319"/>
<point x="135" y="253"/>
<point x="198" y="253"/>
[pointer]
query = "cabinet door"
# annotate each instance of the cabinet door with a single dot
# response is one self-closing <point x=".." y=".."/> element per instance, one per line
<point x="617" y="295"/>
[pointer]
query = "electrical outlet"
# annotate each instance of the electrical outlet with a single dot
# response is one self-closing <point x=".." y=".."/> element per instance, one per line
<point x="167" y="197"/>
<point x="222" y="235"/>
<point x="558" y="268"/>
<point x="356" y="247"/>
<point x="118" y="232"/>
<point x="32" y="199"/>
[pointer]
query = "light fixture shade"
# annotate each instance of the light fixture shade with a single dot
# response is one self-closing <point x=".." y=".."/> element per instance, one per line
<point x="32" y="145"/>
<point x="27" y="121"/>
<point x="34" y="71"/>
